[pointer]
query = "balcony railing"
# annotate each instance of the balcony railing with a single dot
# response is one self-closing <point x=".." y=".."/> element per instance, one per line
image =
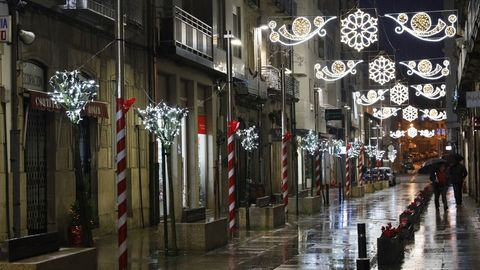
<point x="272" y="78"/>
<point x="187" y="32"/>
<point x="100" y="9"/>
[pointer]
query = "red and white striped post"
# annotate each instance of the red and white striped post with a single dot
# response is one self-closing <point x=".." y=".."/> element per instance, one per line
<point x="232" y="128"/>
<point x="347" y="172"/>
<point x="121" y="151"/>
<point x="317" y="171"/>
<point x="285" y="171"/>
<point x="360" y="166"/>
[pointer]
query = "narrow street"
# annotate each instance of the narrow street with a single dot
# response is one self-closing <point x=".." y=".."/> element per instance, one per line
<point x="328" y="240"/>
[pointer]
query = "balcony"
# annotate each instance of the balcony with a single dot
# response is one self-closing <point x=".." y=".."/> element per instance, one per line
<point x="104" y="12"/>
<point x="184" y="35"/>
<point x="272" y="78"/>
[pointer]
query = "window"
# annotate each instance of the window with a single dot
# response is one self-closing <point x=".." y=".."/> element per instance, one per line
<point x="237" y="30"/>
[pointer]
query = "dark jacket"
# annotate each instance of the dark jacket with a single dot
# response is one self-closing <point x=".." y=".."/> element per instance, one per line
<point x="457" y="173"/>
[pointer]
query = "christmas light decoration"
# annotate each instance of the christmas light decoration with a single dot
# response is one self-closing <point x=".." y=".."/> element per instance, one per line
<point x="163" y="121"/>
<point x="397" y="134"/>
<point x="310" y="143"/>
<point x="392" y="155"/>
<point x="381" y="70"/>
<point x="249" y="138"/>
<point x="399" y="94"/>
<point x="371" y="97"/>
<point x="412" y="132"/>
<point x="422" y="27"/>
<point x="385" y="112"/>
<point x="323" y="146"/>
<point x="338" y="70"/>
<point x="427" y="133"/>
<point x="429" y="91"/>
<point x="354" y="150"/>
<point x="301" y="30"/>
<point x="434" y="114"/>
<point x="370" y="150"/>
<point x="72" y="93"/>
<point x="378" y="154"/>
<point x="359" y="30"/>
<point x="424" y="68"/>
<point x="335" y="147"/>
<point x="410" y="113"/>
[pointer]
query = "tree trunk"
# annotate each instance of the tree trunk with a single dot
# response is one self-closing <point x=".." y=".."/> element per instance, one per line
<point x="80" y="189"/>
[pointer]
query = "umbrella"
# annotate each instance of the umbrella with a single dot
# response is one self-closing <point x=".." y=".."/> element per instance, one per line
<point x="431" y="165"/>
<point x="454" y="158"/>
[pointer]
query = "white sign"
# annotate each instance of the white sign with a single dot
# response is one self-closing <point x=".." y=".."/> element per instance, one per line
<point x="5" y="30"/>
<point x="473" y="99"/>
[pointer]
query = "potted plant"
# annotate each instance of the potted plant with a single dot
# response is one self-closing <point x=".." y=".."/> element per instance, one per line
<point x="390" y="245"/>
<point x="75" y="232"/>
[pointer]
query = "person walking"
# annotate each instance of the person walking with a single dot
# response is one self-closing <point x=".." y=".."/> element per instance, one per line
<point x="440" y="185"/>
<point x="457" y="175"/>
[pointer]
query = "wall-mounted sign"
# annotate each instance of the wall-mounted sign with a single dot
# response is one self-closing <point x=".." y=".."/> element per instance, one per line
<point x="5" y="29"/>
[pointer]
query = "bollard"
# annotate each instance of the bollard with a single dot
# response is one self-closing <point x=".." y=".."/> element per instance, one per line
<point x="363" y="263"/>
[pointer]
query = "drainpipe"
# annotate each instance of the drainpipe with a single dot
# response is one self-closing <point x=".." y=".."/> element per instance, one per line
<point x="5" y="160"/>
<point x="15" y="132"/>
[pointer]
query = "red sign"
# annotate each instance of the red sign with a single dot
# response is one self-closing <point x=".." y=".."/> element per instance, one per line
<point x="41" y="101"/>
<point x="202" y="127"/>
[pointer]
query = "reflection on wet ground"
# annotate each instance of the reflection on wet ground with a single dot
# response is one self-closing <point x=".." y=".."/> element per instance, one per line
<point x="327" y="240"/>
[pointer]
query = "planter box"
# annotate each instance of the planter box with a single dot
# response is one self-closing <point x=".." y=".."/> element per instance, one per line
<point x="199" y="236"/>
<point x="306" y="205"/>
<point x="385" y="183"/>
<point x="369" y="188"/>
<point x="378" y="185"/>
<point x="412" y="218"/>
<point x="408" y="233"/>
<point x="357" y="192"/>
<point x="63" y="259"/>
<point x="390" y="250"/>
<point x="263" y="218"/>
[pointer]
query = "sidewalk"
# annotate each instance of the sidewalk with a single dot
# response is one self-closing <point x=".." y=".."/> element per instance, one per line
<point x="325" y="241"/>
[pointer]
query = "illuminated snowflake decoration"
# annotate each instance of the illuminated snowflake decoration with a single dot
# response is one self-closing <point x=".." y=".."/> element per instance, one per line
<point x="354" y="150"/>
<point x="385" y="112"/>
<point x="249" y="138"/>
<point x="359" y="30"/>
<point x="378" y="154"/>
<point x="323" y="146"/>
<point x="301" y="30"/>
<point x="392" y="155"/>
<point x="163" y="121"/>
<point x="429" y="91"/>
<point x="310" y="143"/>
<point x="410" y="113"/>
<point x="421" y="26"/>
<point x="381" y="70"/>
<point x="399" y="94"/>
<point x="335" y="147"/>
<point x="412" y="132"/>
<point x="370" y="150"/>
<point x="427" y="133"/>
<point x="397" y="134"/>
<point x="371" y="97"/>
<point x="72" y="93"/>
<point x="434" y="114"/>
<point x="338" y="70"/>
<point x="424" y="68"/>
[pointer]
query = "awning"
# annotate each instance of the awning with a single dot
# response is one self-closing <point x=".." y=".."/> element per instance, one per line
<point x="41" y="101"/>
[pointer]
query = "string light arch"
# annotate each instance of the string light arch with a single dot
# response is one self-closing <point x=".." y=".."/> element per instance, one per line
<point x="385" y="112"/>
<point x="425" y="68"/>
<point x="430" y="91"/>
<point x="371" y="97"/>
<point x="301" y="30"/>
<point x="337" y="70"/>
<point x="434" y="114"/>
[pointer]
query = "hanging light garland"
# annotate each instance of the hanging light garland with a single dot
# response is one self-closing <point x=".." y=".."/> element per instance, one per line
<point x="359" y="30"/>
<point x="385" y="112"/>
<point x="429" y="91"/>
<point x="338" y="70"/>
<point x="427" y="133"/>
<point x="163" y="121"/>
<point x="310" y="143"/>
<point x="249" y="138"/>
<point x="301" y="30"/>
<point x="434" y="114"/>
<point x="412" y="132"/>
<point x="399" y="94"/>
<point x="424" y="68"/>
<point x="381" y="70"/>
<point x="422" y="28"/>
<point x="410" y="113"/>
<point x="371" y="97"/>
<point x="72" y="93"/>
<point x="397" y="134"/>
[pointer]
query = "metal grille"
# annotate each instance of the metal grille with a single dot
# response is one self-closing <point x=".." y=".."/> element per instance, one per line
<point x="36" y="171"/>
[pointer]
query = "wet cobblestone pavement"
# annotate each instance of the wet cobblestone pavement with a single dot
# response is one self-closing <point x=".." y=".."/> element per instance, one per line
<point x="328" y="240"/>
